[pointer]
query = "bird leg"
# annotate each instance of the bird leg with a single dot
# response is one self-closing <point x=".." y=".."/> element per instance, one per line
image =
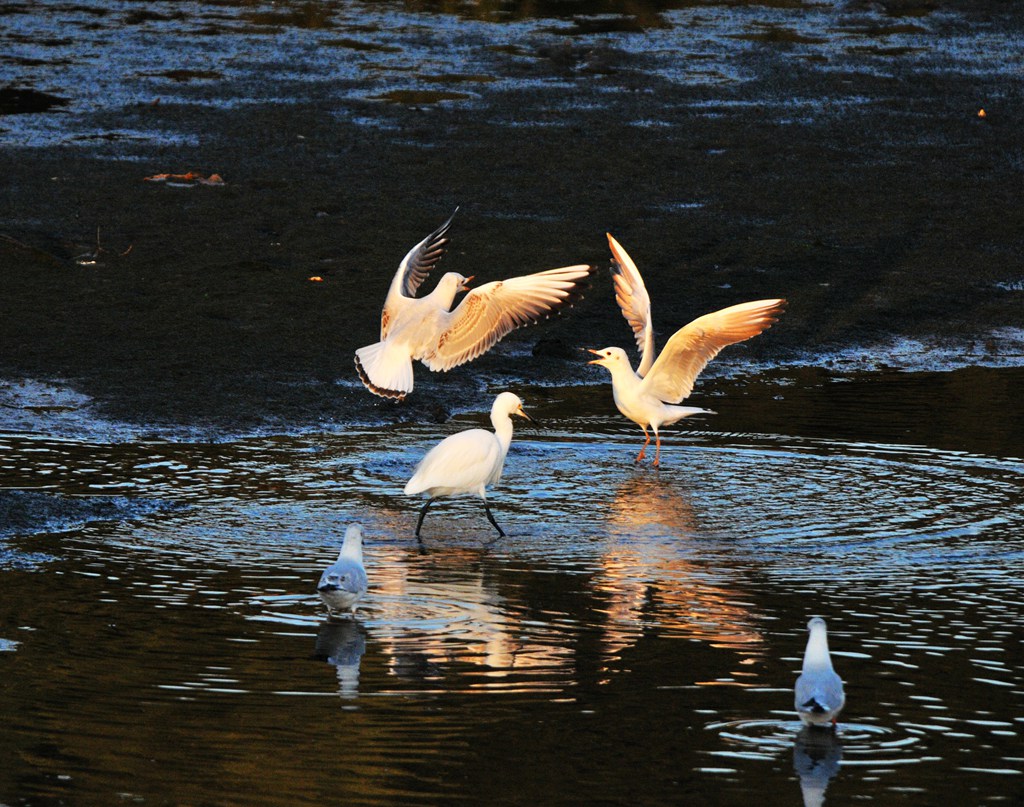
<point x="490" y="518"/>
<point x="657" y="449"/>
<point x="640" y="456"/>
<point x="423" y="513"/>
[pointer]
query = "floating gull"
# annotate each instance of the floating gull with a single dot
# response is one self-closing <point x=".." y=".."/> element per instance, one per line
<point x="819" y="692"/>
<point x="343" y="583"/>
<point x="648" y="396"/>
<point x="469" y="461"/>
<point x="423" y="328"/>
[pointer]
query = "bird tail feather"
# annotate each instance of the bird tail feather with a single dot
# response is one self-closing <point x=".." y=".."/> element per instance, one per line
<point x="385" y="370"/>
<point x="677" y="413"/>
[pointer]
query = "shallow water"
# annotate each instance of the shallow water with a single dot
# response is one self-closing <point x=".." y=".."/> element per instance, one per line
<point x="636" y="636"/>
<point x="82" y="60"/>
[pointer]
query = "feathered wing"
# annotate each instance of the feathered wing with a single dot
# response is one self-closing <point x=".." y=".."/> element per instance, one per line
<point x="350" y="576"/>
<point x="455" y="462"/>
<point x="819" y="692"/>
<point x="632" y="297"/>
<point x="412" y="271"/>
<point x="694" y="345"/>
<point x="488" y="314"/>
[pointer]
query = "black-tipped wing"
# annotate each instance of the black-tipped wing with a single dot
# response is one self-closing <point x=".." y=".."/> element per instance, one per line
<point x="413" y="270"/>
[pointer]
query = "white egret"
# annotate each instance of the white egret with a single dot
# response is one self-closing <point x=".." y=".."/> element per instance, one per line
<point x="818" y="694"/>
<point x="648" y="396"/>
<point x="469" y="461"/>
<point x="343" y="583"/>
<point x="424" y="329"/>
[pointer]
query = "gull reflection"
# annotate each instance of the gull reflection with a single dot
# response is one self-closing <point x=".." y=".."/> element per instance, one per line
<point x="648" y="581"/>
<point x="342" y="642"/>
<point x="816" y="756"/>
<point x="642" y="501"/>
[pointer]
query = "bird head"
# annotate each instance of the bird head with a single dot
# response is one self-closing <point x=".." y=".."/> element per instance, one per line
<point x="512" y="404"/>
<point x="352" y="546"/>
<point x="464" y="282"/>
<point x="609" y="357"/>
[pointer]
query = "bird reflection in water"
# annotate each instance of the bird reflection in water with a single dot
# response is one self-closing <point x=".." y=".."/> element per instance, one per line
<point x="342" y="642"/>
<point x="441" y="609"/>
<point x="816" y="756"/>
<point x="650" y="583"/>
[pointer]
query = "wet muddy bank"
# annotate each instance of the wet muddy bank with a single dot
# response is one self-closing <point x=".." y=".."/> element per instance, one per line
<point x="836" y="158"/>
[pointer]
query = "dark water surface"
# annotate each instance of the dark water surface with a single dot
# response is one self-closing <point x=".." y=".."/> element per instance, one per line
<point x="634" y="639"/>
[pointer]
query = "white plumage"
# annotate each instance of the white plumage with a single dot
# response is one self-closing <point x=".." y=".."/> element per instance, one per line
<point x="425" y="329"/>
<point x="469" y="461"/>
<point x="818" y="694"/>
<point x="344" y="583"/>
<point x="648" y="396"/>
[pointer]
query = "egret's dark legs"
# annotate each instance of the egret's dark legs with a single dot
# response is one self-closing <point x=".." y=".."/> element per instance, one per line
<point x="490" y="518"/>
<point x="423" y="512"/>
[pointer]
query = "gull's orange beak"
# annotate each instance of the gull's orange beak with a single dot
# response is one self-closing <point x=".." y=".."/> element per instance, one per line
<point x="596" y="353"/>
<point x="465" y="283"/>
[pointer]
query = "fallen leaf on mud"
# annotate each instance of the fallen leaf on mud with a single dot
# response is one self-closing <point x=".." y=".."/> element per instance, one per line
<point x="186" y="180"/>
<point x="316" y="279"/>
<point x="981" y="113"/>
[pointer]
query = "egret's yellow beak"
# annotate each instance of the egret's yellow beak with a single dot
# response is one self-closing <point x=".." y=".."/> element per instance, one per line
<point x="523" y="414"/>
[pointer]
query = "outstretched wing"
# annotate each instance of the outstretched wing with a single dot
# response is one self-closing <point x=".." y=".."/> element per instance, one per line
<point x="413" y="270"/>
<point x="494" y="310"/>
<point x="632" y="297"/>
<point x="693" y="346"/>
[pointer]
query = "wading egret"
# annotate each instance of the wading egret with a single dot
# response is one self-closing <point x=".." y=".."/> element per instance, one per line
<point x="424" y="329"/>
<point x="469" y="461"/>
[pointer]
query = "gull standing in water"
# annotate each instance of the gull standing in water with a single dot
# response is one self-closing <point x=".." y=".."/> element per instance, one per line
<point x="343" y="583"/>
<point x="818" y="694"/>
<point x="469" y="461"/>
<point x="423" y="328"/>
<point x="648" y="395"/>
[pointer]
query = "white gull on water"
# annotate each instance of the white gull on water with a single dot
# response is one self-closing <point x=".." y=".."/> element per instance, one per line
<point x="818" y="694"/>
<point x="648" y="396"/>
<point x="343" y="583"/>
<point x="425" y="329"/>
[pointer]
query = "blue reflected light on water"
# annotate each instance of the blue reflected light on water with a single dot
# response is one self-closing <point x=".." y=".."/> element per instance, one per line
<point x="112" y="62"/>
<point x="650" y="618"/>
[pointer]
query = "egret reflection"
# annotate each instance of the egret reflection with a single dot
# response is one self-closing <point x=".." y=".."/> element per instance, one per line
<point x="437" y="609"/>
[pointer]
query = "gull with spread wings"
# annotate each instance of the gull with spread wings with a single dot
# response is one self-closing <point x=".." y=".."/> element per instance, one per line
<point x="429" y="330"/>
<point x="649" y="395"/>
